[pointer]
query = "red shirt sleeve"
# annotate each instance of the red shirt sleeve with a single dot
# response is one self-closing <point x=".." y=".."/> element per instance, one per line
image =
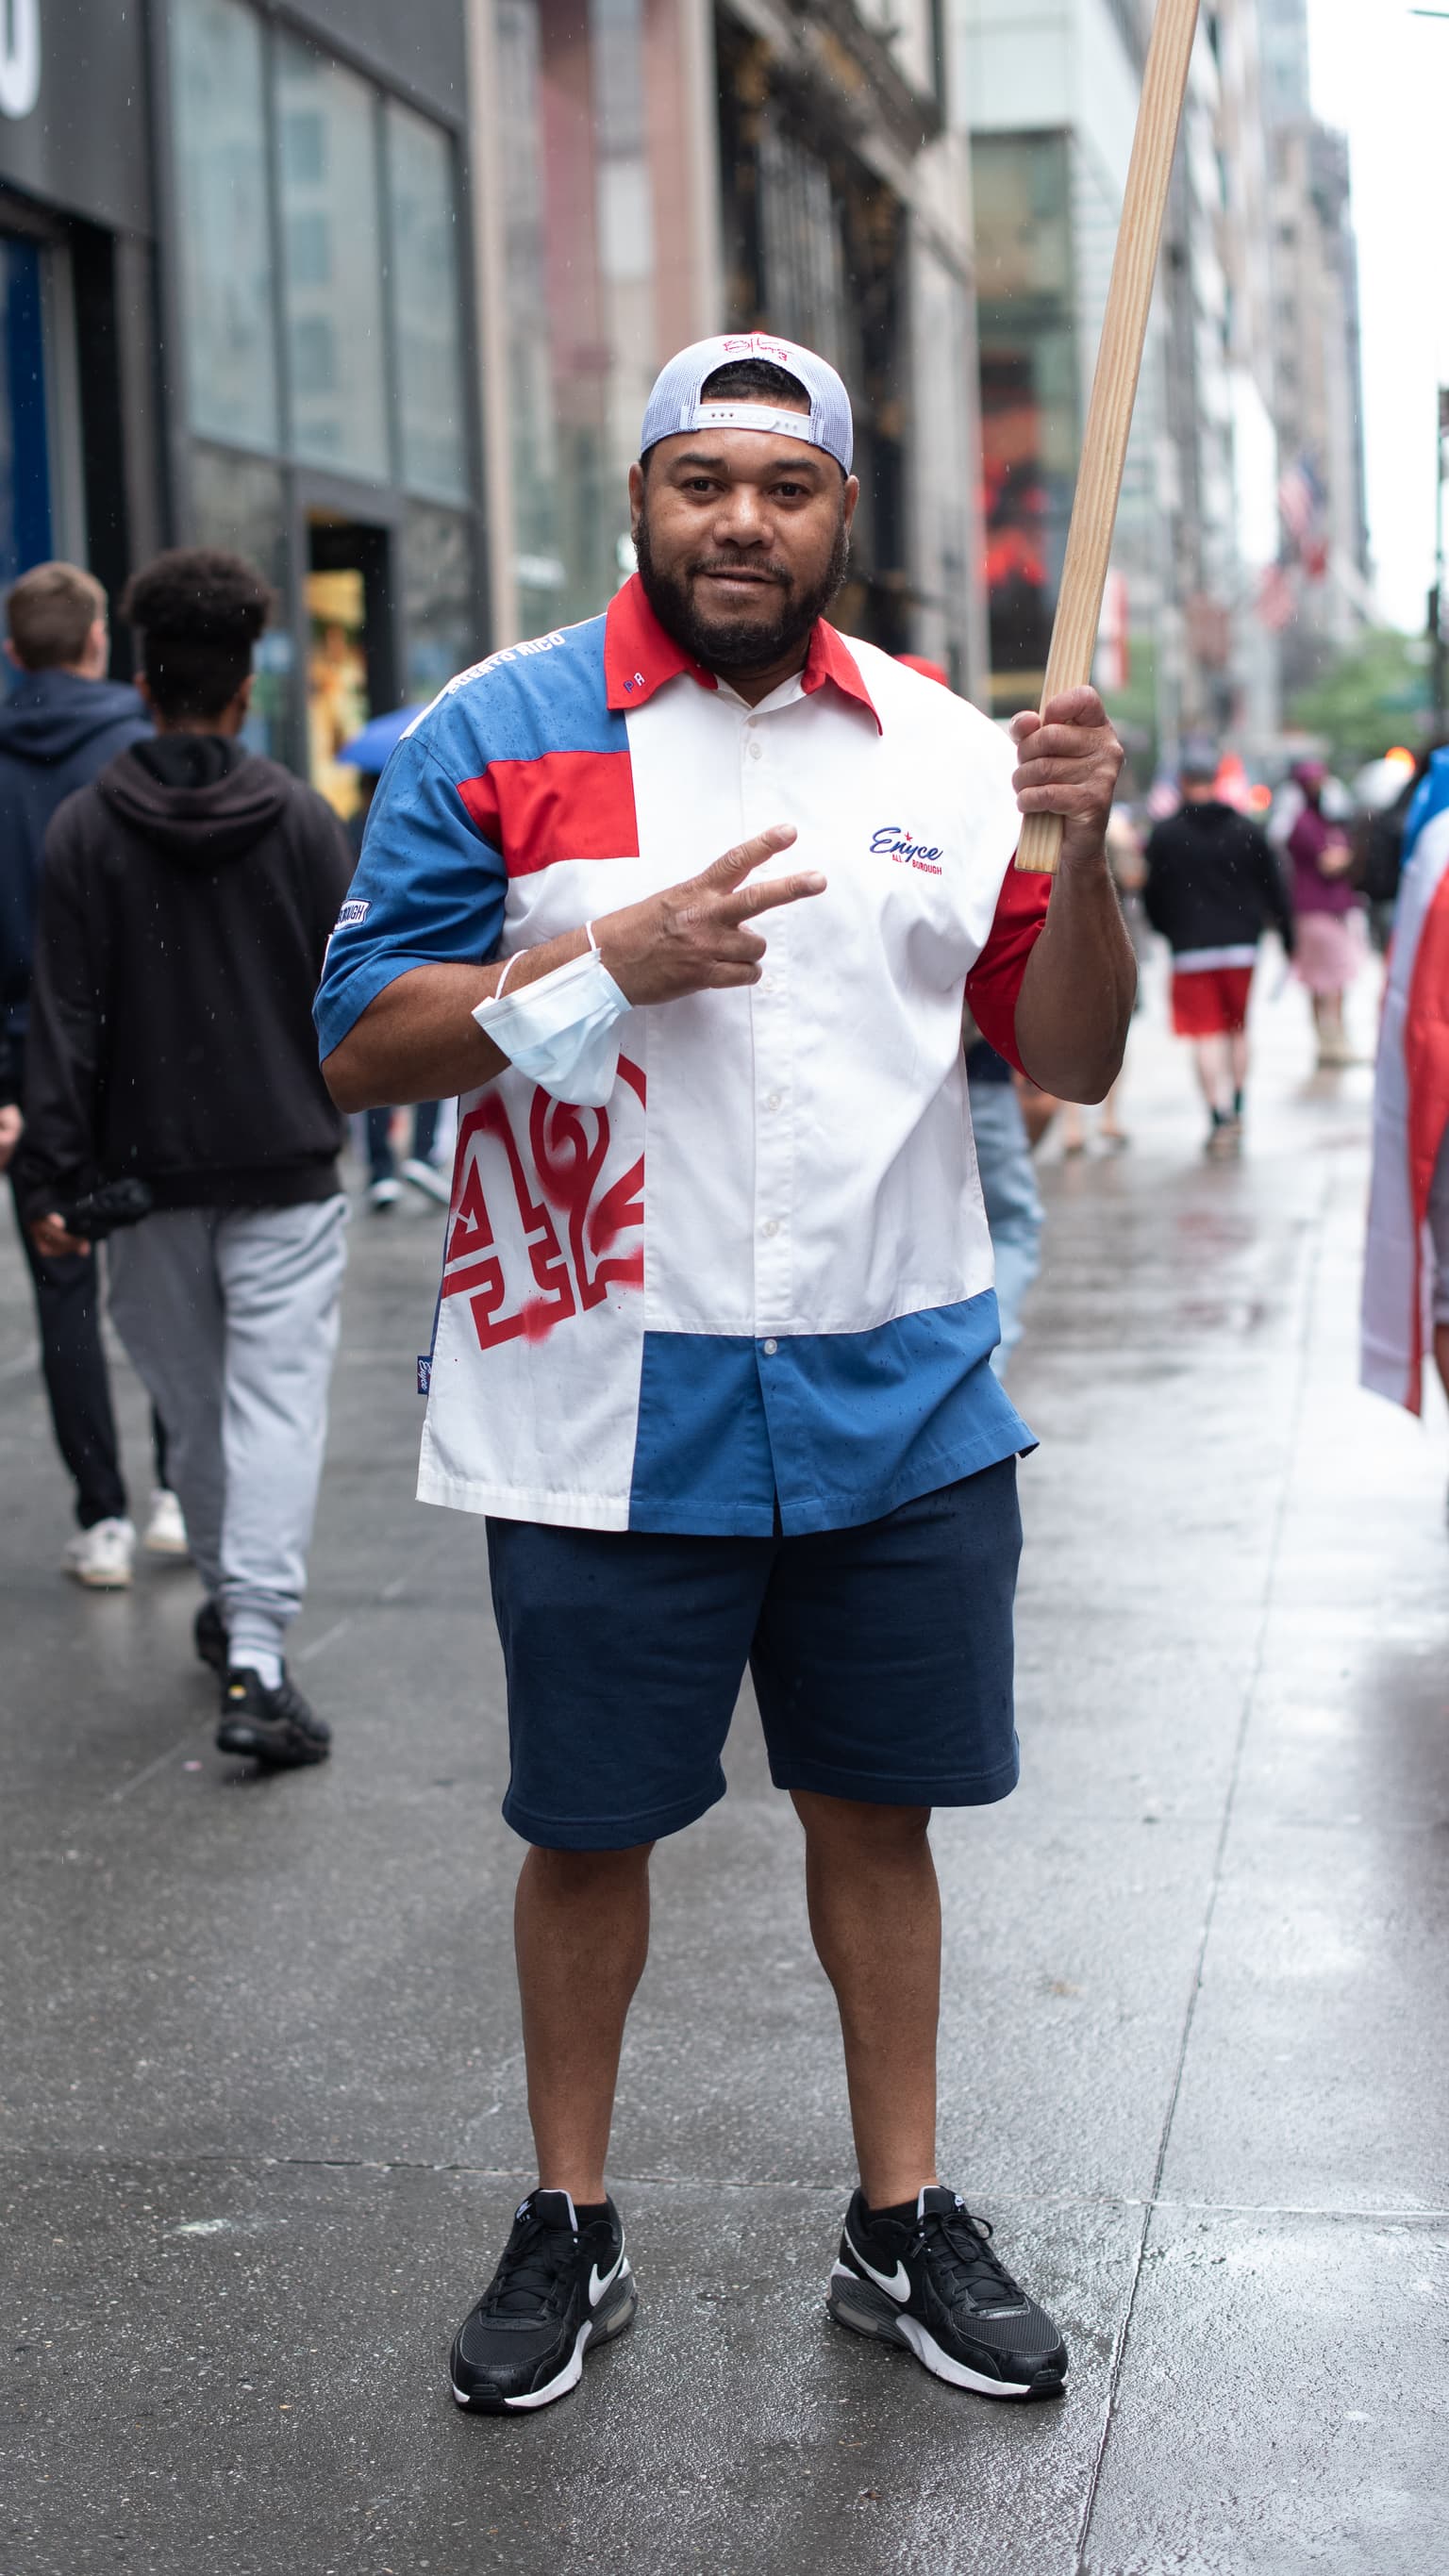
<point x="995" y="980"/>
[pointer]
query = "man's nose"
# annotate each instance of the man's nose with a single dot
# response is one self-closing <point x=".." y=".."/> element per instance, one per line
<point x="742" y="518"/>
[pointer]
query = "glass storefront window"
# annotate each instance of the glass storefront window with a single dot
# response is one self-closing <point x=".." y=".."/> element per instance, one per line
<point x="422" y="219"/>
<point x="25" y="522"/>
<point x="332" y="263"/>
<point x="225" y="238"/>
<point x="1029" y="411"/>
<point x="240" y="503"/>
<point x="440" y="605"/>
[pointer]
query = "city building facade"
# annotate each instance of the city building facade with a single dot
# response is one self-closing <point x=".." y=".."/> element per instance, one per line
<point x="1317" y="376"/>
<point x="665" y="170"/>
<point x="1241" y="551"/>
<point x="377" y="296"/>
<point x="240" y="314"/>
<point x="1051" y="105"/>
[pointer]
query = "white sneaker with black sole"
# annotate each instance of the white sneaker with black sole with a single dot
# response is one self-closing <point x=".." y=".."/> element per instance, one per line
<point x="563" y="2285"/>
<point x="928" y="2279"/>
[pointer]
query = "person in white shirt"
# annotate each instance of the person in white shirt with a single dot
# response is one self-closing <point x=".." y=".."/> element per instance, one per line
<point x="684" y="902"/>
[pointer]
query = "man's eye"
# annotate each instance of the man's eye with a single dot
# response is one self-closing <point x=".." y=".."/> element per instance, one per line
<point x="791" y="491"/>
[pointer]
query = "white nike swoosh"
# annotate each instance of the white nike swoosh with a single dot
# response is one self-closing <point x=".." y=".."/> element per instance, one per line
<point x="896" y="2285"/>
<point x="598" y="2287"/>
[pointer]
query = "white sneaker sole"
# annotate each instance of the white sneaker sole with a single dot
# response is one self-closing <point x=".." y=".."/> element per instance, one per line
<point x="867" y="2311"/>
<point x="95" y="1580"/>
<point x="592" y="2331"/>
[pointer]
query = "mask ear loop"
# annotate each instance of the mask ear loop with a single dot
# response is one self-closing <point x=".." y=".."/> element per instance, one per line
<point x="518" y="952"/>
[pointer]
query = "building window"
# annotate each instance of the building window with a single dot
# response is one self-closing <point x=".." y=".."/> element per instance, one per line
<point x="332" y="263"/>
<point x="1028" y="343"/>
<point x="327" y="386"/>
<point x="439" y="611"/>
<point x="25" y="517"/>
<point x="227" y="276"/>
<point x="422" y="222"/>
<point x="240" y="503"/>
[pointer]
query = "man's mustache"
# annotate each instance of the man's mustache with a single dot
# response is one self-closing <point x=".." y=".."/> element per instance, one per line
<point x="776" y="573"/>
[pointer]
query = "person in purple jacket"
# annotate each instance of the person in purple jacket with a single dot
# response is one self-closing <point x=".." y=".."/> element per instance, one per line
<point x="1330" y="943"/>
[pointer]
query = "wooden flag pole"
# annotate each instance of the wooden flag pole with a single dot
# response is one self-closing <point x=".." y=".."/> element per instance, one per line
<point x="1114" y="387"/>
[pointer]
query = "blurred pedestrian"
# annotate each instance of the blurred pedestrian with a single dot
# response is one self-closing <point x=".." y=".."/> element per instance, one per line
<point x="1383" y="791"/>
<point x="1405" y="1294"/>
<point x="1330" y="945"/>
<point x="185" y="906"/>
<point x="1009" y="1193"/>
<point x="62" y="722"/>
<point x="712" y="1343"/>
<point x="1213" y="887"/>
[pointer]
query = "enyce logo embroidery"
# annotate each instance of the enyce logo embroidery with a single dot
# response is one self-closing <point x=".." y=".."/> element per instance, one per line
<point x="892" y="841"/>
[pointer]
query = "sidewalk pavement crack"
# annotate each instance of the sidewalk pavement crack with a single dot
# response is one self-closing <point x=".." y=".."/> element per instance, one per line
<point x="1308" y="1294"/>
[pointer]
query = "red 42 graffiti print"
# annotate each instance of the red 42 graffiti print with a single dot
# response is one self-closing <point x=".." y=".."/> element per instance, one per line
<point x="528" y="1257"/>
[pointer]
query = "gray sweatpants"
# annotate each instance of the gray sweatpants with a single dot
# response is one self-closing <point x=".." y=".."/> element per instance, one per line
<point x="230" y="1319"/>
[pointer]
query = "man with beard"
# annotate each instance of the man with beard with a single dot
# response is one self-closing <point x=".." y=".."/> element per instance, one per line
<point x="713" y="1344"/>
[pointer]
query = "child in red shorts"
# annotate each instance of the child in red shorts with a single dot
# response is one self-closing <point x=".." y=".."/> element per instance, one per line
<point x="1213" y="888"/>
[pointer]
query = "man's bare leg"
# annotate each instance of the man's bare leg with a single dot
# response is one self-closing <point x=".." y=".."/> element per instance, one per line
<point x="875" y="1915"/>
<point x="580" y="1930"/>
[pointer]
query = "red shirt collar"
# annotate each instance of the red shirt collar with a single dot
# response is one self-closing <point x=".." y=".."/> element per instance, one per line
<point x="639" y="656"/>
<point x="830" y="658"/>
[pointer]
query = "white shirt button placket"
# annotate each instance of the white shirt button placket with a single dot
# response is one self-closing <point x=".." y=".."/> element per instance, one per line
<point x="774" y="1157"/>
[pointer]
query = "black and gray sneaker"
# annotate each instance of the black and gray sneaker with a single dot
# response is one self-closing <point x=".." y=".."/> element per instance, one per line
<point x="927" y="2278"/>
<point x="564" y="2283"/>
<point x="209" y="1633"/>
<point x="275" y="1727"/>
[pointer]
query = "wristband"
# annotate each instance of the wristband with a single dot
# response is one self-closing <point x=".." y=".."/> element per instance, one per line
<point x="562" y="1030"/>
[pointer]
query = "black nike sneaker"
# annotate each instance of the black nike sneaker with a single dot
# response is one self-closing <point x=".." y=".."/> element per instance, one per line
<point x="209" y="1633"/>
<point x="275" y="1727"/>
<point x="927" y="2278"/>
<point x="560" y="2287"/>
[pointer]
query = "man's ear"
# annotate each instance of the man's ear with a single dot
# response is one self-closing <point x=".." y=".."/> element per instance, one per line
<point x="636" y="499"/>
<point x="12" y="656"/>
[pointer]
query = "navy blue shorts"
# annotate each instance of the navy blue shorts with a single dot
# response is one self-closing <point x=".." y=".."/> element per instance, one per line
<point x="881" y="1658"/>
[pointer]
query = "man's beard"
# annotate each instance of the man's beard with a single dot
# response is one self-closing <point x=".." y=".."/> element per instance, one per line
<point x="740" y="644"/>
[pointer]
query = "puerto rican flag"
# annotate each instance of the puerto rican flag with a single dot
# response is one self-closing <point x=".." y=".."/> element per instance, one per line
<point x="1411" y="1115"/>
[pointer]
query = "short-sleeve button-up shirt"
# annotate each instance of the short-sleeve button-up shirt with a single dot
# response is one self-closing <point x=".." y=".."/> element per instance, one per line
<point x="754" y="1290"/>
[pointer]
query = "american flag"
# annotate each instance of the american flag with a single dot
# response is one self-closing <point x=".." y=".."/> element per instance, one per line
<point x="1275" y="604"/>
<point x="1300" y="499"/>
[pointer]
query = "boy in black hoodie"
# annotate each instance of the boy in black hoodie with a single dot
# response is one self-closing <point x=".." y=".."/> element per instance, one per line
<point x="1212" y="890"/>
<point x="61" y="724"/>
<point x="185" y="907"/>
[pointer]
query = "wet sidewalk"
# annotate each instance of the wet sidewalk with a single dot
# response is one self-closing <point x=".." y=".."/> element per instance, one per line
<point x="263" y="2115"/>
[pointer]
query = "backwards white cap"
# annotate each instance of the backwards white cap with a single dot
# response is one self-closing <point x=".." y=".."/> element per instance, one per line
<point x="675" y="405"/>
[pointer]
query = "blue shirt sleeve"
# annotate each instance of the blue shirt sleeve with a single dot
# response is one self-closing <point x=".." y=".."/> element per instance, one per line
<point x="428" y="890"/>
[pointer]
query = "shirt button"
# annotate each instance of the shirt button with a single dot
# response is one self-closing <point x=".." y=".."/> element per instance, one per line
<point x="772" y="1100"/>
<point x="755" y="751"/>
<point x="770" y="1226"/>
<point x="770" y="1349"/>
